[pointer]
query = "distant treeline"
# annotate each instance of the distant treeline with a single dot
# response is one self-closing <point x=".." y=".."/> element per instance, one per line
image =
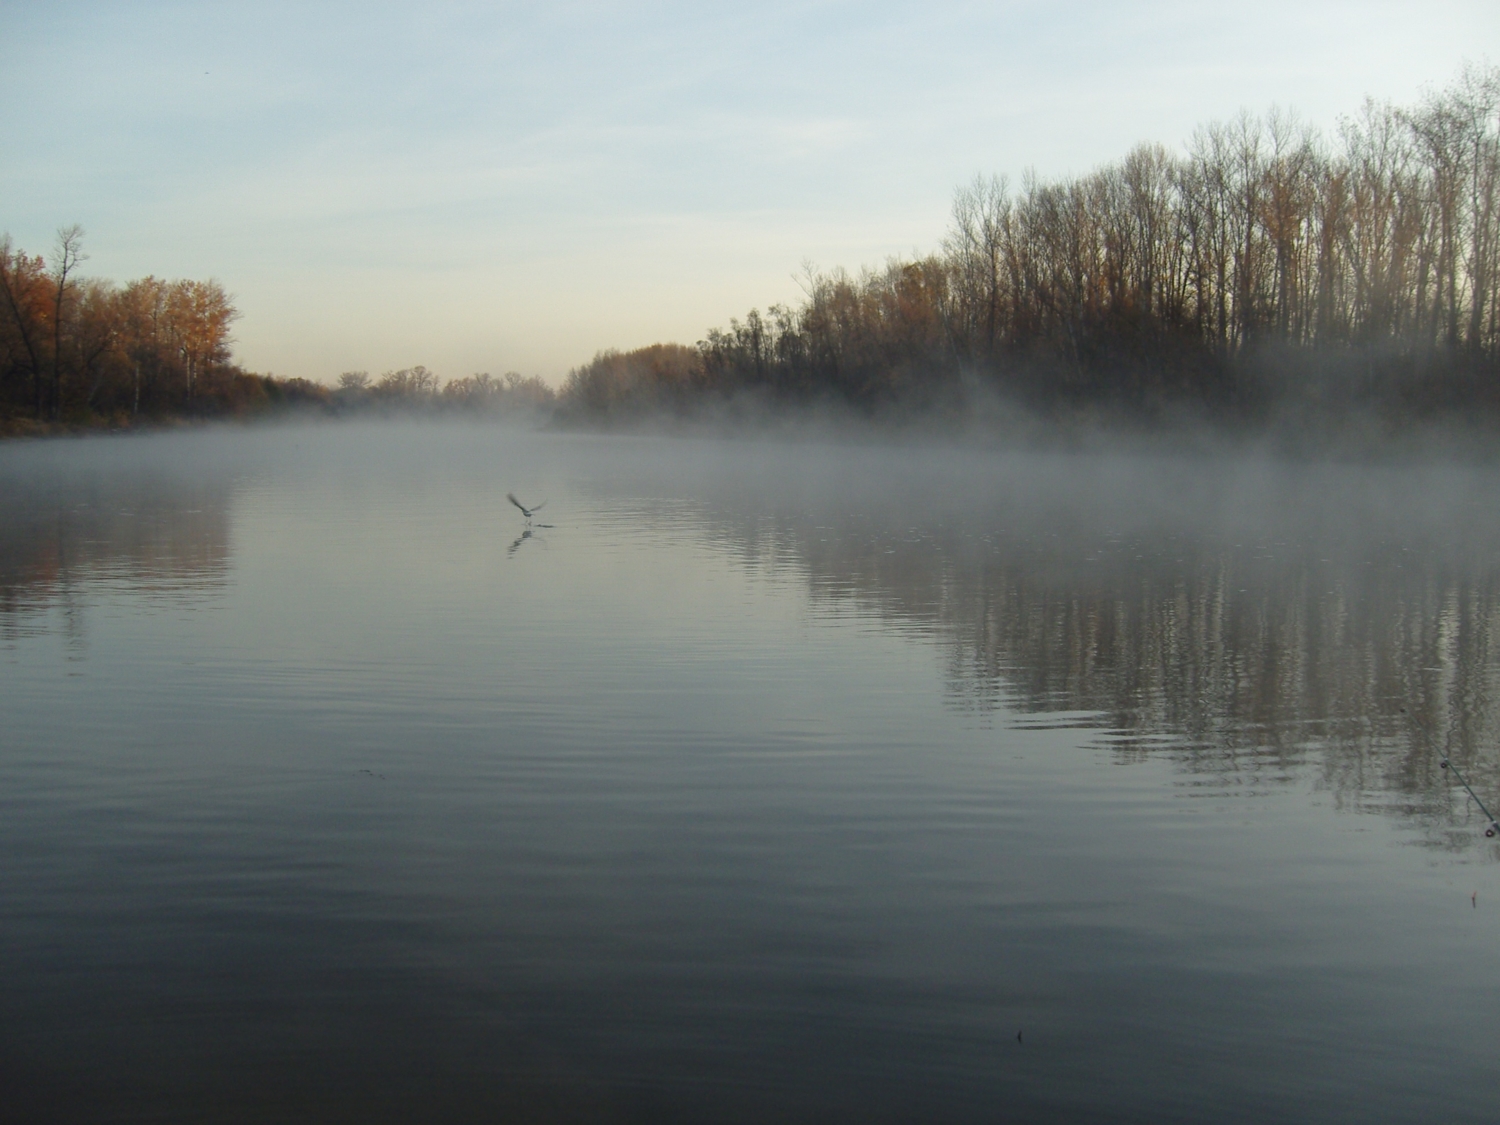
<point x="78" y="351"/>
<point x="1266" y="267"/>
<point x="416" y="388"/>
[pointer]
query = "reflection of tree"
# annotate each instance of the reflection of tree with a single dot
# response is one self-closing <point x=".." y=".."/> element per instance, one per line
<point x="145" y="533"/>
<point x="1247" y="659"/>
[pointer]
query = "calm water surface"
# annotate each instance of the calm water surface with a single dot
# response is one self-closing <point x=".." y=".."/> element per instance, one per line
<point x="769" y="782"/>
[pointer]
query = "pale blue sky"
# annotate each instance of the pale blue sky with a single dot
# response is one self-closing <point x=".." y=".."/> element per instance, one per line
<point x="486" y="187"/>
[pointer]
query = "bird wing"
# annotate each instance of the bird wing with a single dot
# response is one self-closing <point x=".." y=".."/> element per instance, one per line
<point x="540" y="506"/>
<point x="511" y="496"/>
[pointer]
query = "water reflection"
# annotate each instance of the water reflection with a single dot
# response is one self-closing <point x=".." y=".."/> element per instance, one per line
<point x="1341" y="626"/>
<point x="73" y="531"/>
<point x="1254" y="622"/>
<point x="528" y="535"/>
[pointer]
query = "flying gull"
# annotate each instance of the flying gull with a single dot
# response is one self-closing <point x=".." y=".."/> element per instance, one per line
<point x="525" y="511"/>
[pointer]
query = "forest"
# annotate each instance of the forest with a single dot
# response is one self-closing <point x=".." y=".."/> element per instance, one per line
<point x="1264" y="271"/>
<point x="79" y="352"/>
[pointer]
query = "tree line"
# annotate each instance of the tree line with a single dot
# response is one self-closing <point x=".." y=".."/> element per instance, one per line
<point x="73" y="347"/>
<point x="416" y="388"/>
<point x="1263" y="265"/>
<point x="78" y="350"/>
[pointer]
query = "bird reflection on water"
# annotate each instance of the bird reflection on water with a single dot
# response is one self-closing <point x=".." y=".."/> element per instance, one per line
<point x="529" y="533"/>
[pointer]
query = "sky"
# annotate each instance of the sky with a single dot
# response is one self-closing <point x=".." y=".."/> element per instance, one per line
<point x="497" y="187"/>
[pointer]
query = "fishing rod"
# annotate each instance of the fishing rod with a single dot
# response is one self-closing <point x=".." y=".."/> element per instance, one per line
<point x="1494" y="824"/>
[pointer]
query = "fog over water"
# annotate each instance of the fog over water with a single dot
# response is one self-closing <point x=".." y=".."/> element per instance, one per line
<point x="754" y="780"/>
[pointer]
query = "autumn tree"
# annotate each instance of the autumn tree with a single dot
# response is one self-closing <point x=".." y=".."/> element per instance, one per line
<point x="199" y="314"/>
<point x="25" y="290"/>
<point x="146" y="335"/>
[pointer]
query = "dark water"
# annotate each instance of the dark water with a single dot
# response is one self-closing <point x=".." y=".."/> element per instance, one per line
<point x="770" y="783"/>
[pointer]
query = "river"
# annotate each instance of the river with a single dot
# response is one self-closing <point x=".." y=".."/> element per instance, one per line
<point x="751" y="780"/>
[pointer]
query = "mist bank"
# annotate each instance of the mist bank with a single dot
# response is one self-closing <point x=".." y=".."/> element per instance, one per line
<point x="1265" y="278"/>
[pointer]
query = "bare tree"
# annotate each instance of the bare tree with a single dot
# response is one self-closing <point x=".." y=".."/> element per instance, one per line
<point x="67" y="255"/>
